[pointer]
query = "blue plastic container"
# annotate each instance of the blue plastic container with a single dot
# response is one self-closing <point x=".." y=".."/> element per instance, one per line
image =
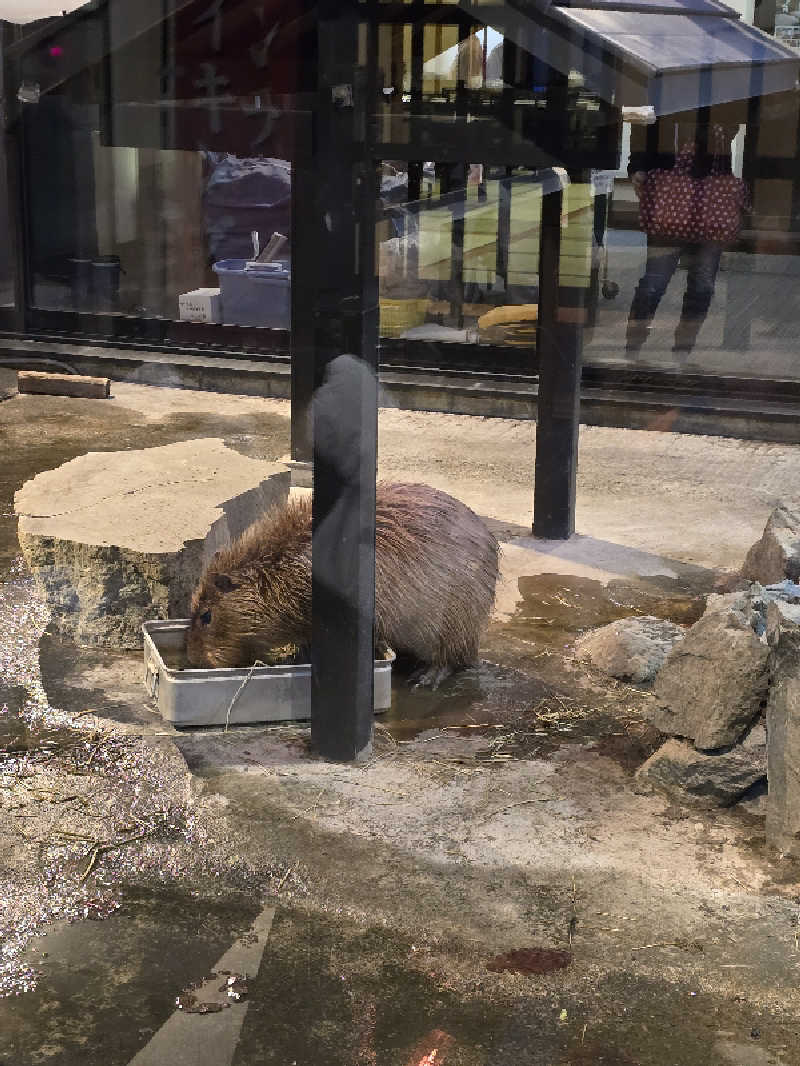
<point x="258" y="296"/>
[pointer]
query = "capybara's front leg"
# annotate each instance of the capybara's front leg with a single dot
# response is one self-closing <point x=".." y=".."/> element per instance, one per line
<point x="430" y="676"/>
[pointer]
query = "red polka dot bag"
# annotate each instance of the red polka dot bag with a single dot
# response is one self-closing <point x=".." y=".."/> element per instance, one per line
<point x="721" y="199"/>
<point x="668" y="201"/>
<point x="675" y="206"/>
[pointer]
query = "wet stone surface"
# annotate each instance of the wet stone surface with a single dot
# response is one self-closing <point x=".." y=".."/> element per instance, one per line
<point x="334" y="992"/>
<point x="556" y="607"/>
<point x="339" y="991"/>
<point x="106" y="987"/>
<point x="505" y="714"/>
<point x="84" y="807"/>
<point x="484" y="693"/>
<point x="532" y="693"/>
<point x="73" y="791"/>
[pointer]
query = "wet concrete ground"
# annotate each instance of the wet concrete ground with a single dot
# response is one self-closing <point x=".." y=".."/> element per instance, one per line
<point x="497" y="815"/>
<point x="333" y="991"/>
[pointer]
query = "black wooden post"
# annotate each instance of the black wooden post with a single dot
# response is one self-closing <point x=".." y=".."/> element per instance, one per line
<point x="345" y="317"/>
<point x="456" y="183"/>
<point x="303" y="236"/>
<point x="303" y="243"/>
<point x="559" y="343"/>
<point x="415" y="167"/>
<point x="13" y="160"/>
<point x="503" y="227"/>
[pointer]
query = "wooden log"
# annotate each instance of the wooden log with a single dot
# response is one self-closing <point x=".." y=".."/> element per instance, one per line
<point x="36" y="381"/>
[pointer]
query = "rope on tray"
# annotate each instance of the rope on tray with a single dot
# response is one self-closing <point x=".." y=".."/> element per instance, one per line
<point x="239" y="691"/>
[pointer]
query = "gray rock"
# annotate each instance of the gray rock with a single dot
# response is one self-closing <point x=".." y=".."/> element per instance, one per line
<point x="777" y="554"/>
<point x="714" y="682"/>
<point x="115" y="538"/>
<point x="783" y="723"/>
<point x="632" y="649"/>
<point x="739" y="601"/>
<point x="705" y="780"/>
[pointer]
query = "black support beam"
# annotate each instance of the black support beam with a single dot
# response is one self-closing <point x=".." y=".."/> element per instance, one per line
<point x="344" y="310"/>
<point x="559" y="345"/>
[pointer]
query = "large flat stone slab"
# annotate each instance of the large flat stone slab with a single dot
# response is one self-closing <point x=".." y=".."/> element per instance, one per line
<point x="115" y="538"/>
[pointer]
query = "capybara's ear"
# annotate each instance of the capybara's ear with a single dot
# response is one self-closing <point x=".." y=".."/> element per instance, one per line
<point x="224" y="583"/>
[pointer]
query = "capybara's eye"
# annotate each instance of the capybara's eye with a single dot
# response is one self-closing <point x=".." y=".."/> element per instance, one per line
<point x="205" y="618"/>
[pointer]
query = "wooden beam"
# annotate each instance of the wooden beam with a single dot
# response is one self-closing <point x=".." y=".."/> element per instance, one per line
<point x="36" y="381"/>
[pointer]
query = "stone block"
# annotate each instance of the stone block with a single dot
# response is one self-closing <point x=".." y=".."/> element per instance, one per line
<point x="714" y="682"/>
<point x="783" y="727"/>
<point x="777" y="554"/>
<point x="631" y="649"/>
<point x="704" y="779"/>
<point x="115" y="538"/>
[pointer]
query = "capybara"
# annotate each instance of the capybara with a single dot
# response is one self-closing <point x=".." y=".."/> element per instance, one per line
<point x="436" y="568"/>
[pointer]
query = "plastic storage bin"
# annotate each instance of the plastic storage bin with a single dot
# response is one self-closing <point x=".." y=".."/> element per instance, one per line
<point x="202" y="697"/>
<point x="258" y="296"/>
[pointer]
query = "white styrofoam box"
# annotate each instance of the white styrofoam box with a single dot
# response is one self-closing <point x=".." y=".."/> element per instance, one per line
<point x="200" y="305"/>
<point x="202" y="697"/>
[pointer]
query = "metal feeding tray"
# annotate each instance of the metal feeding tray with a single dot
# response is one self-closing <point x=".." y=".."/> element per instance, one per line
<point x="259" y="694"/>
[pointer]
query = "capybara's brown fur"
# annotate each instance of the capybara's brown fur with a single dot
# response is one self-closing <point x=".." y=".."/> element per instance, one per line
<point x="436" y="570"/>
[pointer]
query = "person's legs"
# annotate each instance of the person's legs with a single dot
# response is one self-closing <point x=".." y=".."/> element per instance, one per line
<point x="703" y="266"/>
<point x="599" y="219"/>
<point x="662" y="261"/>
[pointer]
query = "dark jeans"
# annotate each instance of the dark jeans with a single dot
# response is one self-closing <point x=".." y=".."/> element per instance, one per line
<point x="702" y="261"/>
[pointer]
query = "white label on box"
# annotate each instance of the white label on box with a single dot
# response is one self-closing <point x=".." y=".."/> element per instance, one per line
<point x="201" y="305"/>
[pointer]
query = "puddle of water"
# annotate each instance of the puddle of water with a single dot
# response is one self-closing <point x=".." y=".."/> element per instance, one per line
<point x="20" y="737"/>
<point x="517" y="715"/>
<point x="339" y="994"/>
<point x="485" y="694"/>
<point x="556" y="608"/>
<point x="106" y="987"/>
<point x="554" y="702"/>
